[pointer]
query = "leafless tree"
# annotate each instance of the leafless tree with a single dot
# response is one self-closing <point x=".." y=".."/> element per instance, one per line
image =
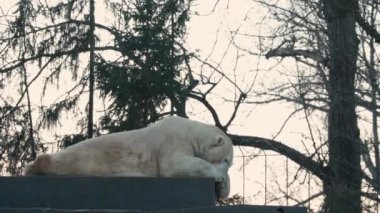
<point x="309" y="34"/>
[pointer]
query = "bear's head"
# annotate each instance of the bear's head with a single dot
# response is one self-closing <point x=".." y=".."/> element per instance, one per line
<point x="219" y="151"/>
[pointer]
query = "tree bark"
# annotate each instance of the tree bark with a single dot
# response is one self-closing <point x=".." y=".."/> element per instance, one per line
<point x="343" y="186"/>
<point x="90" y="124"/>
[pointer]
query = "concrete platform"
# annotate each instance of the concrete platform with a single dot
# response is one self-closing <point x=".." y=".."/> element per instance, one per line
<point x="105" y="193"/>
<point x="37" y="194"/>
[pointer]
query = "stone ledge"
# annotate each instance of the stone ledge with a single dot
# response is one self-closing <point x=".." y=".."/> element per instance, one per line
<point x="57" y="194"/>
<point x="215" y="209"/>
<point x="105" y="193"/>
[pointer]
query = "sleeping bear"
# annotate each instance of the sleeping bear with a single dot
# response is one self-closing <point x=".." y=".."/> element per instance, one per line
<point x="172" y="147"/>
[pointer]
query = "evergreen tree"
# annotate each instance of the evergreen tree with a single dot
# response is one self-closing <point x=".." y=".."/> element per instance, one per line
<point x="54" y="36"/>
<point x="149" y="73"/>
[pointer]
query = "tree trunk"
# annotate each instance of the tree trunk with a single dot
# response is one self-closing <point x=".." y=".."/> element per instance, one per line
<point x="343" y="186"/>
<point x="90" y="124"/>
<point x="31" y="141"/>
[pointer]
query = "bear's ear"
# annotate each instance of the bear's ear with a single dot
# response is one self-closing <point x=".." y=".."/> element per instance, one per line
<point x="219" y="141"/>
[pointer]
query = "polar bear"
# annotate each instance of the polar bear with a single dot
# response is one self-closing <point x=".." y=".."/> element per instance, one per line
<point x="171" y="147"/>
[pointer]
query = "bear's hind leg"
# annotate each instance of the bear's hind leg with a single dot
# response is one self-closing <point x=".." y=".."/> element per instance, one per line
<point x="40" y="166"/>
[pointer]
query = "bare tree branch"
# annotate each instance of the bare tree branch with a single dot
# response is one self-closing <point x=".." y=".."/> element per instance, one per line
<point x="368" y="28"/>
<point x="267" y="144"/>
<point x="289" y="52"/>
